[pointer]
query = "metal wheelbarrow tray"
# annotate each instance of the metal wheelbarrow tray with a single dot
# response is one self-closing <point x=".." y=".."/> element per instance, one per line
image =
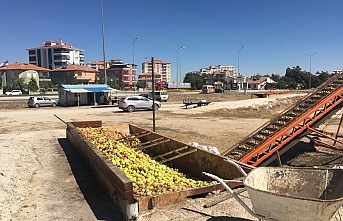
<point x="283" y="194"/>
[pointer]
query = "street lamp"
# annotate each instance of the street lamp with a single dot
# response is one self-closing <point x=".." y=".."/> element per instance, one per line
<point x="177" y="64"/>
<point x="238" y="58"/>
<point x="309" y="83"/>
<point x="133" y="63"/>
<point x="103" y="41"/>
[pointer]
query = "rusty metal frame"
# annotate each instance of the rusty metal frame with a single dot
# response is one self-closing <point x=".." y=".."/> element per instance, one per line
<point x="324" y="135"/>
<point x="317" y="142"/>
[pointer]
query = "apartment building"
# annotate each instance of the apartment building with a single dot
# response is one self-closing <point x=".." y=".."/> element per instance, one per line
<point x="97" y="65"/>
<point x="74" y="74"/>
<point x="55" y="54"/>
<point x="161" y="71"/>
<point x="228" y="69"/>
<point x="119" y="72"/>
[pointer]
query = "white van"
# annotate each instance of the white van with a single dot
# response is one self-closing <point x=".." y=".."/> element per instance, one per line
<point x="160" y="95"/>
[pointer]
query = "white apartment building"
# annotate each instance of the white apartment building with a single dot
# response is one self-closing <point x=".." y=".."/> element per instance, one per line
<point x="55" y="54"/>
<point x="161" y="69"/>
<point x="229" y="69"/>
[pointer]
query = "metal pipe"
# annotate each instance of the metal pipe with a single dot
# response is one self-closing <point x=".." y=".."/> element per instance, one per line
<point x="246" y="207"/>
<point x="236" y="165"/>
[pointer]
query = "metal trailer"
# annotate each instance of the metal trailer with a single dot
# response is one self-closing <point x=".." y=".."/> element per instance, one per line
<point x="286" y="193"/>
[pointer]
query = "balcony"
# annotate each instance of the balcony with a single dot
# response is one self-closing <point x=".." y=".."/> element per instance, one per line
<point x="44" y="80"/>
<point x="32" y="52"/>
<point x="83" y="78"/>
<point x="61" y="51"/>
<point x="61" y="58"/>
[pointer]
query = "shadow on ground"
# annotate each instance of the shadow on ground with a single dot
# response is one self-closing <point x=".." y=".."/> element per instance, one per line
<point x="102" y="207"/>
<point x="216" y="218"/>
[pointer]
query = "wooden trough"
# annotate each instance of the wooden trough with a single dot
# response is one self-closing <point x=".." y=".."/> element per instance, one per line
<point x="186" y="158"/>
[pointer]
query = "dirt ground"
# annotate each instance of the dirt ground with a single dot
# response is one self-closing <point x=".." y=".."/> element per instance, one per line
<point x="42" y="177"/>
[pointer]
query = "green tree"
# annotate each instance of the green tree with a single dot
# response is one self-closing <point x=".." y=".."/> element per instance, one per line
<point x="195" y="79"/>
<point x="323" y="76"/>
<point x="141" y="84"/>
<point x="300" y="77"/>
<point x="275" y="77"/>
<point x="15" y="84"/>
<point x="51" y="85"/>
<point x="112" y="83"/>
<point x="286" y="83"/>
<point x="32" y="85"/>
<point x="122" y="85"/>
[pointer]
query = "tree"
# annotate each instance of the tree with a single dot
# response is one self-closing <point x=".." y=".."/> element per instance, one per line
<point x="51" y="85"/>
<point x="300" y="77"/>
<point x="32" y="85"/>
<point x="122" y="85"/>
<point x="275" y="77"/>
<point x="195" y="79"/>
<point x="286" y="83"/>
<point x="15" y="83"/>
<point x="323" y="76"/>
<point x="141" y="84"/>
<point x="112" y="83"/>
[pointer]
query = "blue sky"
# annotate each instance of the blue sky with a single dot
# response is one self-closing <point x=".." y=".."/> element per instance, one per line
<point x="276" y="34"/>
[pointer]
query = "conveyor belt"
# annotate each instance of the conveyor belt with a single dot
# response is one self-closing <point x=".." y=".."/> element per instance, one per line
<point x="282" y="132"/>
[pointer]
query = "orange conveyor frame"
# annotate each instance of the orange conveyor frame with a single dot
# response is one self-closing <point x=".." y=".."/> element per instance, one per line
<point x="276" y="136"/>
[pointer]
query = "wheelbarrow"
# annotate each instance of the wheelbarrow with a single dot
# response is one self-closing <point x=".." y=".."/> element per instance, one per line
<point x="284" y="194"/>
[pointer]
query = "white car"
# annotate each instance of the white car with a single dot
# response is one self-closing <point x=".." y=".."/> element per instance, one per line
<point x="159" y="95"/>
<point x="14" y="92"/>
<point x="132" y="103"/>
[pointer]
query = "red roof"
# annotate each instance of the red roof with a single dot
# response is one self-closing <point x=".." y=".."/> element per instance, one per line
<point x="256" y="80"/>
<point x="76" y="67"/>
<point x="23" y="66"/>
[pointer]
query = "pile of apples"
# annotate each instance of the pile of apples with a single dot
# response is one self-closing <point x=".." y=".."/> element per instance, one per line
<point x="148" y="176"/>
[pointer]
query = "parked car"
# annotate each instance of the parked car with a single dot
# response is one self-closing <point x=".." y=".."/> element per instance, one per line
<point x="41" y="101"/>
<point x="131" y="103"/>
<point x="144" y="95"/>
<point x="14" y="92"/>
<point x="161" y="95"/>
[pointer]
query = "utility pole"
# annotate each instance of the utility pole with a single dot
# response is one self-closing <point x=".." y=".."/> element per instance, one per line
<point x="310" y="81"/>
<point x="133" y="63"/>
<point x="177" y="64"/>
<point x="103" y="42"/>
<point x="153" y="94"/>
